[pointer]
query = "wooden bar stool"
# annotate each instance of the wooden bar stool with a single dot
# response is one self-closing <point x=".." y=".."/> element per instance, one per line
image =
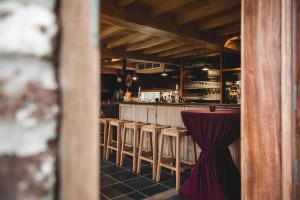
<point x="152" y="131"/>
<point x="178" y="134"/>
<point x="111" y="144"/>
<point x="103" y="126"/>
<point x="134" y="129"/>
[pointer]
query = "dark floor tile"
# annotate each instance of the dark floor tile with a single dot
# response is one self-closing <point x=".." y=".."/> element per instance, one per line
<point x="132" y="196"/>
<point x="139" y="183"/>
<point x="145" y="169"/>
<point x="153" y="190"/>
<point x="163" y="176"/>
<point x="103" y="197"/>
<point x="116" y="190"/>
<point x="106" y="180"/>
<point x="112" y="169"/>
<point x="105" y="163"/>
<point x="176" y="197"/>
<point x="171" y="182"/>
<point x="124" y="175"/>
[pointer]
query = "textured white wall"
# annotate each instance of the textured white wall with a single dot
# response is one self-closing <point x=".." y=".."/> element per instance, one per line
<point x="28" y="99"/>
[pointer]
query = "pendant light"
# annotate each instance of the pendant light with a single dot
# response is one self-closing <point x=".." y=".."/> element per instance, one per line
<point x="164" y="72"/>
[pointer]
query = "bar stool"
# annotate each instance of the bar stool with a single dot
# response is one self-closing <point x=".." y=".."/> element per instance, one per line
<point x="111" y="144"/>
<point x="103" y="125"/>
<point x="178" y="134"/>
<point x="152" y="131"/>
<point x="131" y="150"/>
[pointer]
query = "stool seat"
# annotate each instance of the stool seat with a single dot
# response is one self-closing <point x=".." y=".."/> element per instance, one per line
<point x="154" y="127"/>
<point x="176" y="130"/>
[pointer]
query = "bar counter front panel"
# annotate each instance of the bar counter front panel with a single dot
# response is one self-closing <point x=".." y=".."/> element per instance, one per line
<point x="170" y="114"/>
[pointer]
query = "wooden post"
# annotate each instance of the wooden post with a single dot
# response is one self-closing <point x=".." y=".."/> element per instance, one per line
<point x="79" y="84"/>
<point x="267" y="101"/>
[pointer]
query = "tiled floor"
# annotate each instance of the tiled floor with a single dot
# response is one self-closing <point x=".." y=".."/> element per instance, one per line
<point x="120" y="183"/>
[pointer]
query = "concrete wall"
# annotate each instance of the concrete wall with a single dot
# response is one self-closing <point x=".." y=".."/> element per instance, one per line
<point x="28" y="99"/>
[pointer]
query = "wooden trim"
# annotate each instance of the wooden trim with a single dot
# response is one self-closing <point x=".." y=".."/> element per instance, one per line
<point x="287" y="116"/>
<point x="78" y="140"/>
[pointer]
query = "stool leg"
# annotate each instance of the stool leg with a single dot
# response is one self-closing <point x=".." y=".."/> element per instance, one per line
<point x="177" y="163"/>
<point x="105" y="139"/>
<point x="154" y="155"/>
<point x="123" y="145"/>
<point x="194" y="150"/>
<point x="171" y="152"/>
<point x="118" y="145"/>
<point x="140" y="152"/>
<point x="134" y="157"/>
<point x="108" y="142"/>
<point x="160" y="149"/>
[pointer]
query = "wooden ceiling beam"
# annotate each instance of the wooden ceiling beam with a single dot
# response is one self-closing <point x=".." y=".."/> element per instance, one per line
<point x="179" y="50"/>
<point x="124" y="2"/>
<point x="228" y="30"/>
<point x="137" y="19"/>
<point x="221" y="20"/>
<point x="109" y="31"/>
<point x="135" y="56"/>
<point x="146" y="44"/>
<point x="107" y="70"/>
<point x="189" y="53"/>
<point x="130" y="38"/>
<point x="206" y="10"/>
<point x="163" y="47"/>
<point x="167" y="6"/>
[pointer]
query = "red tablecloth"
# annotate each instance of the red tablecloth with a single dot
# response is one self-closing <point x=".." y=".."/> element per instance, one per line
<point x="215" y="176"/>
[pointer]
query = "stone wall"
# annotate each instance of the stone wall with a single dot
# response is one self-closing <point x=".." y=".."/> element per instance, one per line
<point x="28" y="99"/>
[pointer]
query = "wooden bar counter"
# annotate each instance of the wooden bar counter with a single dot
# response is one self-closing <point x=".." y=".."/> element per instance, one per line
<point x="170" y="114"/>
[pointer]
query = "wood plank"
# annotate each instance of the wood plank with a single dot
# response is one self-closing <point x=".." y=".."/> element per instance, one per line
<point x="179" y="50"/>
<point x="146" y="44"/>
<point x="227" y="18"/>
<point x="265" y="74"/>
<point x="125" y="2"/>
<point x="137" y="19"/>
<point x="228" y="30"/>
<point x="109" y="31"/>
<point x="120" y="52"/>
<point x="206" y="10"/>
<point x="288" y="84"/>
<point x="129" y="38"/>
<point x="78" y="151"/>
<point x="190" y="53"/>
<point x="167" y="6"/>
<point x="163" y="47"/>
<point x="106" y="70"/>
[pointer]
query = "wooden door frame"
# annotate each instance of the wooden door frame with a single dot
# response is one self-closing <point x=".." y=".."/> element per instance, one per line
<point x="267" y="74"/>
<point x="78" y="73"/>
<point x="268" y="104"/>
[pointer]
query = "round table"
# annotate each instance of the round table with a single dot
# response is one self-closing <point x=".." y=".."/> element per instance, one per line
<point x="215" y="176"/>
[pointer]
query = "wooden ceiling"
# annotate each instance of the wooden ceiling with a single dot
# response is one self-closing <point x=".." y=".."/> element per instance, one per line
<point x="167" y="31"/>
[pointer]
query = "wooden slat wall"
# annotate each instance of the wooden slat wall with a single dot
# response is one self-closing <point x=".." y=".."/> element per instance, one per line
<point x="168" y="115"/>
